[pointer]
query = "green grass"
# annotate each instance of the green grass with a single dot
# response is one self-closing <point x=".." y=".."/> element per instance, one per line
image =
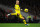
<point x="19" y="25"/>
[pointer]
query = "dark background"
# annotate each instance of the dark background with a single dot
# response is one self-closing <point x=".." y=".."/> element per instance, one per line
<point x="32" y="5"/>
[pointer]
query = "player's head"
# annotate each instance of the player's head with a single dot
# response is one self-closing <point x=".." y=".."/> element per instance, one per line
<point x="17" y="2"/>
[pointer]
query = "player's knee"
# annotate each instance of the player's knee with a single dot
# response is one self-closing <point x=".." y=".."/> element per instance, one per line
<point x="23" y="18"/>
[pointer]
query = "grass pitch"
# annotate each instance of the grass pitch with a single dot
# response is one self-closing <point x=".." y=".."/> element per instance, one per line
<point x="19" y="25"/>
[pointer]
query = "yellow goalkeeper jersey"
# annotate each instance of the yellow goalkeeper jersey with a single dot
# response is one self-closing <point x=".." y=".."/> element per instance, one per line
<point x="17" y="9"/>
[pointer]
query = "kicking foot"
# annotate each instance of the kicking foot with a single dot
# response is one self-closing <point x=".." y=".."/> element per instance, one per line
<point x="26" y="24"/>
<point x="8" y="14"/>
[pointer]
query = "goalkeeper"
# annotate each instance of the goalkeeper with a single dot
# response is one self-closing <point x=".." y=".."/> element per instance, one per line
<point x="17" y="12"/>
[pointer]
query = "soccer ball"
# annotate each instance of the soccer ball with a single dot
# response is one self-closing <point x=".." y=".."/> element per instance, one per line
<point x="25" y="10"/>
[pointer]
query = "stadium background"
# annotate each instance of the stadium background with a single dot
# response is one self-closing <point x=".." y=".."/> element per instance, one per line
<point x="7" y="6"/>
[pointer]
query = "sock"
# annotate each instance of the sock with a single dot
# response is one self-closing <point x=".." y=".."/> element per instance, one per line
<point x="24" y="22"/>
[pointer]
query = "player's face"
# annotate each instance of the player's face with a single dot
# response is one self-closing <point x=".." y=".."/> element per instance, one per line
<point x="17" y="2"/>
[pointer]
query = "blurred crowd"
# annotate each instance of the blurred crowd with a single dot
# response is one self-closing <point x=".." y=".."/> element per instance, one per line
<point x="32" y="5"/>
<point x="13" y="19"/>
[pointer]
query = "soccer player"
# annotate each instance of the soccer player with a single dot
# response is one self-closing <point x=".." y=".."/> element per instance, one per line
<point x="17" y="12"/>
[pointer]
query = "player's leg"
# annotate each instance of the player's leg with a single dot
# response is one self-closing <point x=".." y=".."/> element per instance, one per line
<point x="23" y="19"/>
<point x="11" y="14"/>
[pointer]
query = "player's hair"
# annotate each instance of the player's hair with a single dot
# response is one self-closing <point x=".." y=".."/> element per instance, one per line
<point x="17" y="1"/>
